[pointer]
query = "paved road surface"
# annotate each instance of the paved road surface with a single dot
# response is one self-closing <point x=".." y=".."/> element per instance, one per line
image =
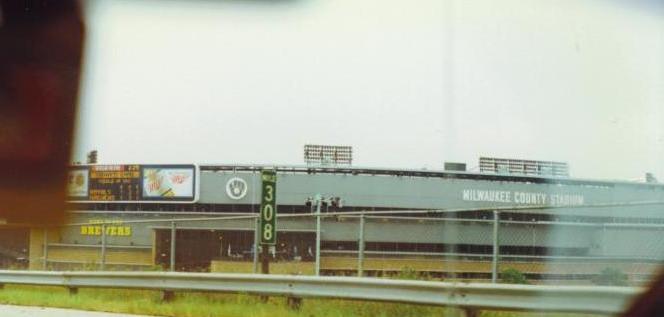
<point x="27" y="311"/>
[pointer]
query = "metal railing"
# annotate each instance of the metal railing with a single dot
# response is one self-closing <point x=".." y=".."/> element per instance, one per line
<point x="469" y="296"/>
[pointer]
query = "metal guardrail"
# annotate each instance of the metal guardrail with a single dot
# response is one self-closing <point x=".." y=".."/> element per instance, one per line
<point x="580" y="299"/>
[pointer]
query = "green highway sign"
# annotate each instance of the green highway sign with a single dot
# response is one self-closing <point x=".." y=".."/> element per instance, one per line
<point x="269" y="207"/>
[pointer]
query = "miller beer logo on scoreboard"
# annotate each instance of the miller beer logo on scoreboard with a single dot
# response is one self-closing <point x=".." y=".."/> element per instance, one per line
<point x="167" y="182"/>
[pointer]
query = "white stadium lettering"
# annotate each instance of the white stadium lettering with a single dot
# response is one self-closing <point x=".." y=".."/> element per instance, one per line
<point x="522" y="198"/>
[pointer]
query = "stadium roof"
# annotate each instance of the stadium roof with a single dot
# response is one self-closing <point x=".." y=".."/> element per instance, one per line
<point x="424" y="173"/>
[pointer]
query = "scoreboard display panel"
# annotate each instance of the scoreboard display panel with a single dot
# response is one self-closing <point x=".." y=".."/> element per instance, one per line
<point x="132" y="183"/>
<point x="114" y="182"/>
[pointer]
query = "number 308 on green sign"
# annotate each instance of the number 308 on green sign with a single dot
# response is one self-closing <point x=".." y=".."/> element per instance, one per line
<point x="268" y="221"/>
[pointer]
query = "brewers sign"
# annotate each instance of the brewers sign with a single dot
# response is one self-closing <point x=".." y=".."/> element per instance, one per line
<point x="269" y="207"/>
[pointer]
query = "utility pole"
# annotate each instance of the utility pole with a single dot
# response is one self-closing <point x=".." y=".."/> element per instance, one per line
<point x="318" y="201"/>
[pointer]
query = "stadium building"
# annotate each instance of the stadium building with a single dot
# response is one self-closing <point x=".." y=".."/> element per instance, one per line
<point x="418" y="218"/>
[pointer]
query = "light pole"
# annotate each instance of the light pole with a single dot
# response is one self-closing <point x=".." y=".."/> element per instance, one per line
<point x="496" y="246"/>
<point x="318" y="201"/>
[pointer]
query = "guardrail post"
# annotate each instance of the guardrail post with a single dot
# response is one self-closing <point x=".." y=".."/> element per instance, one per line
<point x="294" y="302"/>
<point x="167" y="296"/>
<point x="45" y="261"/>
<point x="103" y="246"/>
<point x="360" y="249"/>
<point x="72" y="290"/>
<point x="494" y="262"/>
<point x="257" y="230"/>
<point x="173" y="236"/>
<point x="471" y="312"/>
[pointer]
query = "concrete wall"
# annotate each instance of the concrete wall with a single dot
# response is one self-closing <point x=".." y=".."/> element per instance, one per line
<point x="432" y="192"/>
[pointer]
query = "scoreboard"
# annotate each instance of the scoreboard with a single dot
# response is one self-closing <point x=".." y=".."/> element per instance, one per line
<point x="132" y="183"/>
<point x="115" y="182"/>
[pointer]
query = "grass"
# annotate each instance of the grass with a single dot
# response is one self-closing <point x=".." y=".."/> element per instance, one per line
<point x="230" y="305"/>
<point x="299" y="268"/>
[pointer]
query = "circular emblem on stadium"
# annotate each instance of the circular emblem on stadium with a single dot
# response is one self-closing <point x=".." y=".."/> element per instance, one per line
<point x="236" y="188"/>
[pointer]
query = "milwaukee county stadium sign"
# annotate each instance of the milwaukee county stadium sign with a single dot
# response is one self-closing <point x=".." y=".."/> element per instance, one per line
<point x="523" y="198"/>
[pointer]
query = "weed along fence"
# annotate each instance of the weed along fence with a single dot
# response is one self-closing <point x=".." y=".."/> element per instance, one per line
<point x="432" y="244"/>
<point x="468" y="296"/>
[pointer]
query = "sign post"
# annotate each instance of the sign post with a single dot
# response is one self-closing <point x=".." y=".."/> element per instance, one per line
<point x="268" y="219"/>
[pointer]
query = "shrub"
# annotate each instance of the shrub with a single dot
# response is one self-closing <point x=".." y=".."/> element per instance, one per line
<point x="408" y="273"/>
<point x="513" y="276"/>
<point x="611" y="277"/>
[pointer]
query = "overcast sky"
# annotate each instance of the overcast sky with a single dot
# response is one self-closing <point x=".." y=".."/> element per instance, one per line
<point x="406" y="83"/>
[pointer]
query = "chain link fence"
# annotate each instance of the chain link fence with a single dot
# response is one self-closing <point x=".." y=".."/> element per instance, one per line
<point x="399" y="244"/>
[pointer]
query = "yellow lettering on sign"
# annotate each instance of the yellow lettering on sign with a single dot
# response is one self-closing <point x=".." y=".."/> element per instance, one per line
<point x="113" y="227"/>
<point x="115" y="174"/>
